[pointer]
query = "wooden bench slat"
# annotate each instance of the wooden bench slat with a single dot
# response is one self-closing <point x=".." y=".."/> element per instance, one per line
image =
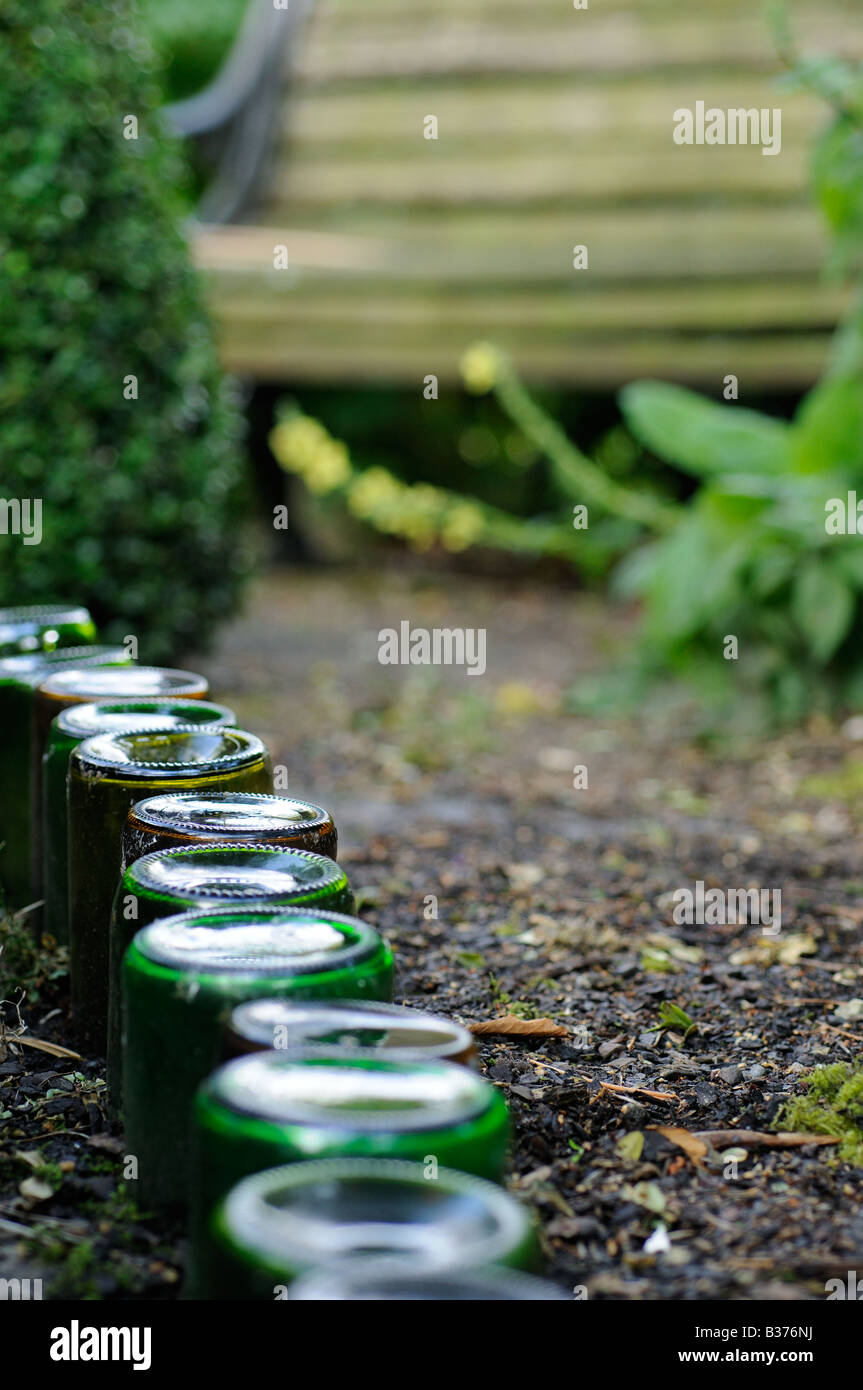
<point x="529" y="247"/>
<point x="569" y="177"/>
<point x="574" y="44"/>
<point x="526" y="11"/>
<point x="313" y="298"/>
<point x="517" y="112"/>
<point x="789" y="361"/>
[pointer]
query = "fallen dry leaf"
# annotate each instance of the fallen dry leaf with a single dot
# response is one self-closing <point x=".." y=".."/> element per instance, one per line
<point x="53" y="1049"/>
<point x="35" y="1190"/>
<point x="511" y="1026"/>
<point x="31" y="1156"/>
<point x="693" y="1146"/>
<point x="523" y="877"/>
<point x="107" y="1142"/>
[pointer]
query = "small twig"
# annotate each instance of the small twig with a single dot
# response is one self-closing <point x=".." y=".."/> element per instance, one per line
<point x="752" y="1138"/>
<point x="638" y="1090"/>
<point x="52" y="1134"/>
<point x="13" y="1229"/>
<point x="844" y="1032"/>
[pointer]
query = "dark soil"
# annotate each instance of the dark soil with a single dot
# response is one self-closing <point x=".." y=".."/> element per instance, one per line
<point x="454" y="794"/>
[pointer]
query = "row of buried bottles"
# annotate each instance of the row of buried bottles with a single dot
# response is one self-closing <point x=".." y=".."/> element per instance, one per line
<point x="322" y="1142"/>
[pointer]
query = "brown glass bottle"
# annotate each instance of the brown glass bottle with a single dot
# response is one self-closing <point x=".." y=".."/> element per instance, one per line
<point x="71" y="727"/>
<point x="176" y="820"/>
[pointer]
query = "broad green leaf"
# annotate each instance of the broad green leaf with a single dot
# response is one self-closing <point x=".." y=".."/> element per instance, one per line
<point x="828" y="428"/>
<point x="634" y="572"/>
<point x="701" y="436"/>
<point x="822" y="604"/>
<point x="696" y="576"/>
<point x="675" y="586"/>
<point x="837" y="168"/>
<point x="772" y="567"/>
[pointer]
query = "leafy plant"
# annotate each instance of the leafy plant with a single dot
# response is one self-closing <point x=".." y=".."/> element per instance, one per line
<point x="113" y="409"/>
<point x="755" y="582"/>
<point x="837" y="158"/>
<point x="673" y="1018"/>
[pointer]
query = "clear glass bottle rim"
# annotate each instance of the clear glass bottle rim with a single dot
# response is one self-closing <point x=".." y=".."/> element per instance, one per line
<point x="348" y="1089"/>
<point x="233" y="869"/>
<point x="109" y="753"/>
<point x="193" y="810"/>
<point x="59" y="613"/>
<point x="278" y="942"/>
<point x="23" y="663"/>
<point x="82" y="720"/>
<point x="259" y="1219"/>
<point x="412" y="1031"/>
<point x="112" y="680"/>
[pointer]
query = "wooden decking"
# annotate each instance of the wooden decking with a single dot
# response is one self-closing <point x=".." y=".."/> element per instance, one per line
<point x="554" y="130"/>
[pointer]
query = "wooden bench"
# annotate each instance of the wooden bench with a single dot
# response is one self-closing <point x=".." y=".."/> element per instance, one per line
<point x="554" y="129"/>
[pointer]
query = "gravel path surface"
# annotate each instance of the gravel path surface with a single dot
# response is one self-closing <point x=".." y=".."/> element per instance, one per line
<point x="507" y="891"/>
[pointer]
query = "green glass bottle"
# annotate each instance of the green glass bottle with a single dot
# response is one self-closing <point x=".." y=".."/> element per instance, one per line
<point x="180" y="819"/>
<point x="107" y="775"/>
<point x="19" y="677"/>
<point x="368" y="1280"/>
<point x="44" y="627"/>
<point x="78" y="686"/>
<point x="182" y="976"/>
<point x="67" y="730"/>
<point x="394" y="1032"/>
<point x="274" y="1107"/>
<point x="278" y="1224"/>
<point x="174" y="880"/>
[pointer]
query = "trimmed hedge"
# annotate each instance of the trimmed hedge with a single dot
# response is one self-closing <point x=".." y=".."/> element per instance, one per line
<point x="140" y="496"/>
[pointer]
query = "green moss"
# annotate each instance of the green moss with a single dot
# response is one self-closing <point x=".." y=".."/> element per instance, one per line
<point x="832" y="1104"/>
<point x="845" y="784"/>
<point x="77" y="1277"/>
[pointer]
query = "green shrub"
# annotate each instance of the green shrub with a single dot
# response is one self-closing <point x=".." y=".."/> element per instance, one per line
<point x="140" y="496"/>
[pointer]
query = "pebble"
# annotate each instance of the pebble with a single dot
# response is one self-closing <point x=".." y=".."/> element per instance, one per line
<point x="729" y="1074"/>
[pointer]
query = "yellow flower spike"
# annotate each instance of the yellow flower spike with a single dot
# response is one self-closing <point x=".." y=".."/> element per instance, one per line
<point x="462" y="526"/>
<point x="480" y="368"/>
<point x="329" y="468"/>
<point x="295" y="441"/>
<point x="372" y="492"/>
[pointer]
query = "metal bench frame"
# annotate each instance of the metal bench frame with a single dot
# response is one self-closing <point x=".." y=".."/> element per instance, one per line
<point x="236" y="119"/>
